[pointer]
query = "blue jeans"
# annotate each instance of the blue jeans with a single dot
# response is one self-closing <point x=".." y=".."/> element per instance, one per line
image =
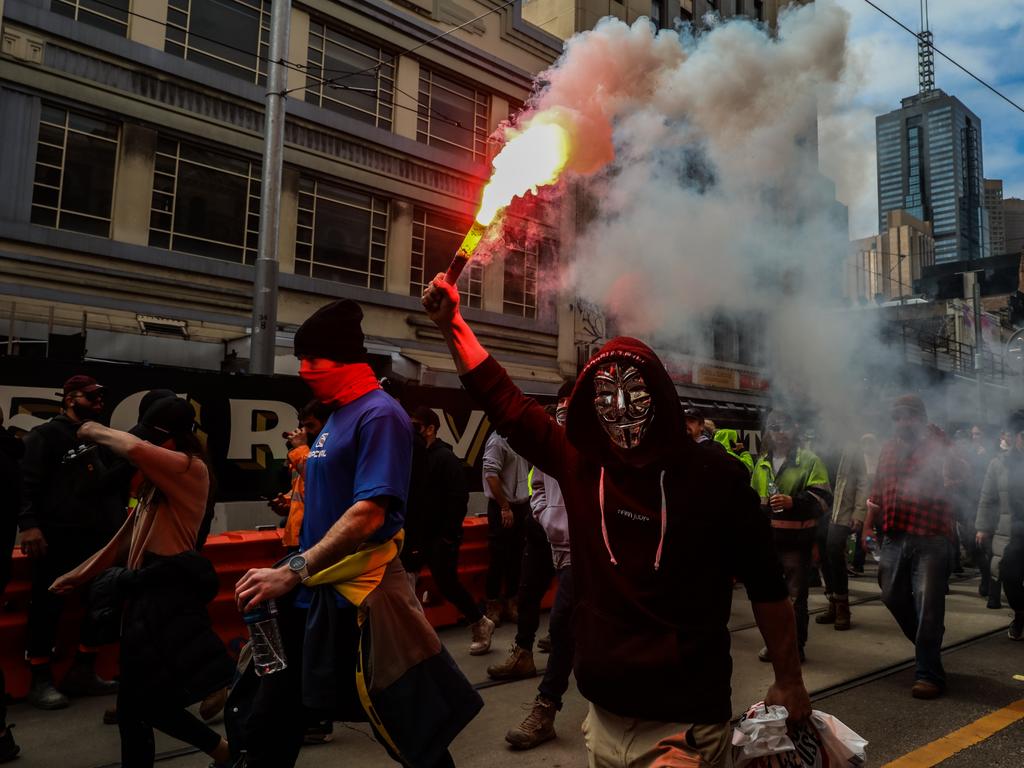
<point x="913" y="573"/>
<point x="556" y="677"/>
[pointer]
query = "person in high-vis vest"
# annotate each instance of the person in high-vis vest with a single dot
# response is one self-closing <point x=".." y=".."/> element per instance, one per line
<point x="795" y="491"/>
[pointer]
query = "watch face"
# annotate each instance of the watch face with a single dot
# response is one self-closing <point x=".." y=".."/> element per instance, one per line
<point x="297" y="563"/>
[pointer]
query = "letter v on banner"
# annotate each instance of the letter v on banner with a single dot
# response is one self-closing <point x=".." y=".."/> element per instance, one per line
<point x="469" y="443"/>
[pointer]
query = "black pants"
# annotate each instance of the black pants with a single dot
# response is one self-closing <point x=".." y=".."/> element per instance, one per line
<point x="505" y="546"/>
<point x="138" y="715"/>
<point x="65" y="550"/>
<point x="556" y="676"/>
<point x="442" y="558"/>
<point x="536" y="573"/>
<point x="1011" y="573"/>
<point x="277" y="719"/>
<point x="837" y="581"/>
<point x="796" y="565"/>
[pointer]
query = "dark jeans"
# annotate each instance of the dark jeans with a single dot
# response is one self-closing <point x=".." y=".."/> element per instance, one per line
<point x="277" y="718"/>
<point x="556" y="676"/>
<point x="796" y="565"/>
<point x="505" y="546"/>
<point x="1011" y="573"/>
<point x="983" y="559"/>
<point x="137" y="716"/>
<point x="837" y="581"/>
<point x="64" y="551"/>
<point x="912" y="574"/>
<point x="537" y="572"/>
<point x="442" y="558"/>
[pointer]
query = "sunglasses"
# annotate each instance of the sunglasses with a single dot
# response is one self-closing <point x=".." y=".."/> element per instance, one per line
<point x="93" y="396"/>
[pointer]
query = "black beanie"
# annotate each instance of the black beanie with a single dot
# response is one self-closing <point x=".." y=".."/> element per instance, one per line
<point x="170" y="416"/>
<point x="333" y="332"/>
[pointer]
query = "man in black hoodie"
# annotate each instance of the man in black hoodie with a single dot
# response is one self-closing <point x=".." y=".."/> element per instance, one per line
<point x="658" y="530"/>
<point x="72" y="503"/>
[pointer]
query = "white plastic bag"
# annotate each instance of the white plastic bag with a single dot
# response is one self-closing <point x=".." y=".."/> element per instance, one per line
<point x="760" y="740"/>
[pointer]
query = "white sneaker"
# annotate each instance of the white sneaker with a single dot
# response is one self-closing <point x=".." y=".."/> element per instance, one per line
<point x="483" y="630"/>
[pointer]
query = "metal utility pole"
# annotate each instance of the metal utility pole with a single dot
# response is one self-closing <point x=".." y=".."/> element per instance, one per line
<point x="264" y="298"/>
<point x="975" y="290"/>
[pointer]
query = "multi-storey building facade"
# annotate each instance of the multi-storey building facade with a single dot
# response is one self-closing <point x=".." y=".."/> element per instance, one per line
<point x="131" y="169"/>
<point x="996" y="217"/>
<point x="887" y="266"/>
<point x="929" y="158"/>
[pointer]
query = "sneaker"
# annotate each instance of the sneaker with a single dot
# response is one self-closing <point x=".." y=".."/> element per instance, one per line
<point x="544" y="644"/>
<point x="319" y="733"/>
<point x="1016" y="630"/>
<point x="82" y="680"/>
<point x="483" y="630"/>
<point x="8" y="749"/>
<point x="519" y="664"/>
<point x="922" y="689"/>
<point x="42" y="695"/>
<point x="538" y="727"/>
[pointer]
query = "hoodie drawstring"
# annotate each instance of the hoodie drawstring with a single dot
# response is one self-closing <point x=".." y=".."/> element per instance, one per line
<point x="664" y="521"/>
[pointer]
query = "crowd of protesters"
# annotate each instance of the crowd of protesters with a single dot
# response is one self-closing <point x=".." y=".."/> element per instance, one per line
<point x="641" y="514"/>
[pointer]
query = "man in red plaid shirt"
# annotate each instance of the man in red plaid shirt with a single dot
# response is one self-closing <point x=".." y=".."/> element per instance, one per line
<point x="917" y="521"/>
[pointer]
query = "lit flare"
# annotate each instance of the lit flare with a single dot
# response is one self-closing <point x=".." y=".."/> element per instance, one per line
<point x="532" y="158"/>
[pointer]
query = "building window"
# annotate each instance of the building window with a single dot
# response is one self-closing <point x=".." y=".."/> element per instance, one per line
<point x="75" y="164"/>
<point x="452" y="116"/>
<point x="657" y="14"/>
<point x="435" y="239"/>
<point x="232" y="36"/>
<point x="111" y="15"/>
<point x="205" y="202"/>
<point x="368" y="96"/>
<point x="521" y="266"/>
<point x="342" y="234"/>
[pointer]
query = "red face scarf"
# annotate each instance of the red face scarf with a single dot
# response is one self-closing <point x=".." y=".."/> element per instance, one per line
<point x="339" y="383"/>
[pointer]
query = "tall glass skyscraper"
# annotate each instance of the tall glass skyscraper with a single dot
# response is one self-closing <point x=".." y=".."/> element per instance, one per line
<point x="930" y="164"/>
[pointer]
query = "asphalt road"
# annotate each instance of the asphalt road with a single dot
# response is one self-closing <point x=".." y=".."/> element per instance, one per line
<point x="861" y="676"/>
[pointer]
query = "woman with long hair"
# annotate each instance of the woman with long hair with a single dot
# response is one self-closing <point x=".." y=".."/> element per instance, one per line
<point x="170" y="657"/>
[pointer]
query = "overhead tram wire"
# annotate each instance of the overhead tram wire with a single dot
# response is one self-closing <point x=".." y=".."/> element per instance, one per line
<point x="300" y="68"/>
<point x="948" y="58"/>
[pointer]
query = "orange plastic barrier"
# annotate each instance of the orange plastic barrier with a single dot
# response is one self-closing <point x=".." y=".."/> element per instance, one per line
<point x="232" y="554"/>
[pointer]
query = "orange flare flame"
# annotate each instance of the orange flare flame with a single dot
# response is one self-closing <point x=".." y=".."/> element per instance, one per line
<point x="532" y="158"/>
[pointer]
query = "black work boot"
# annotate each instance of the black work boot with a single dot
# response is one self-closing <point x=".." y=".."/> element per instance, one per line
<point x="82" y="680"/>
<point x="995" y="595"/>
<point x="42" y="694"/>
<point x="8" y="748"/>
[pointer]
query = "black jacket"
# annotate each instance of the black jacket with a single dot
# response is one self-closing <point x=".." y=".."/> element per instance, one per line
<point x="11" y="451"/>
<point x="438" y="495"/>
<point x="58" y="495"/>
<point x="168" y="647"/>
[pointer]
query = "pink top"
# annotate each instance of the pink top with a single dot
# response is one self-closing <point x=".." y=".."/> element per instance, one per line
<point x="168" y="527"/>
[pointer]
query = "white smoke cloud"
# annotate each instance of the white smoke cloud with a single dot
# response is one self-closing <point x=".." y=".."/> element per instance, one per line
<point x="698" y="159"/>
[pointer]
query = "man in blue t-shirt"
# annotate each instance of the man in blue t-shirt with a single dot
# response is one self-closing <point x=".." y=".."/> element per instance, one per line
<point x="357" y="480"/>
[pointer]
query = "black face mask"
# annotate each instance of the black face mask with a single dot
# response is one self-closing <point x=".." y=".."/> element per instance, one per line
<point x="84" y="412"/>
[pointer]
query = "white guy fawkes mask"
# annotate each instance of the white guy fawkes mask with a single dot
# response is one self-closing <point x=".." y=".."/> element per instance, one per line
<point x="622" y="401"/>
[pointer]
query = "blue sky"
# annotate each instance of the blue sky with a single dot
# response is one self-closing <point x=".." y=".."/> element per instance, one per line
<point x="986" y="36"/>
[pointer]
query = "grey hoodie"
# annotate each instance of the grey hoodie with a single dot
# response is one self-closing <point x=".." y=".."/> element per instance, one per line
<point x="549" y="510"/>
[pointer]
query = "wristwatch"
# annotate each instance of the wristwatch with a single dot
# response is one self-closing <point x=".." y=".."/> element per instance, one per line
<point x="297" y="564"/>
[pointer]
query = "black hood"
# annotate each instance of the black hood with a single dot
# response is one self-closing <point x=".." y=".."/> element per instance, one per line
<point x="665" y="435"/>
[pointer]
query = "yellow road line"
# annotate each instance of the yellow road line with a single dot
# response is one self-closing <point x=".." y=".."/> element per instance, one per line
<point x="968" y="736"/>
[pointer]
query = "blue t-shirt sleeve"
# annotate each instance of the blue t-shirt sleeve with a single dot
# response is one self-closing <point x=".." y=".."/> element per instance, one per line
<point x="384" y="461"/>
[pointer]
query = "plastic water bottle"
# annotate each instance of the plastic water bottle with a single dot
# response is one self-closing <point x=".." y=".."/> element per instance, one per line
<point x="267" y="649"/>
<point x="772" y="490"/>
<point x="873" y="547"/>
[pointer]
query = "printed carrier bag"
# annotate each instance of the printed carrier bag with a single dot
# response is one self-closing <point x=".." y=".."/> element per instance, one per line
<point x="760" y="740"/>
